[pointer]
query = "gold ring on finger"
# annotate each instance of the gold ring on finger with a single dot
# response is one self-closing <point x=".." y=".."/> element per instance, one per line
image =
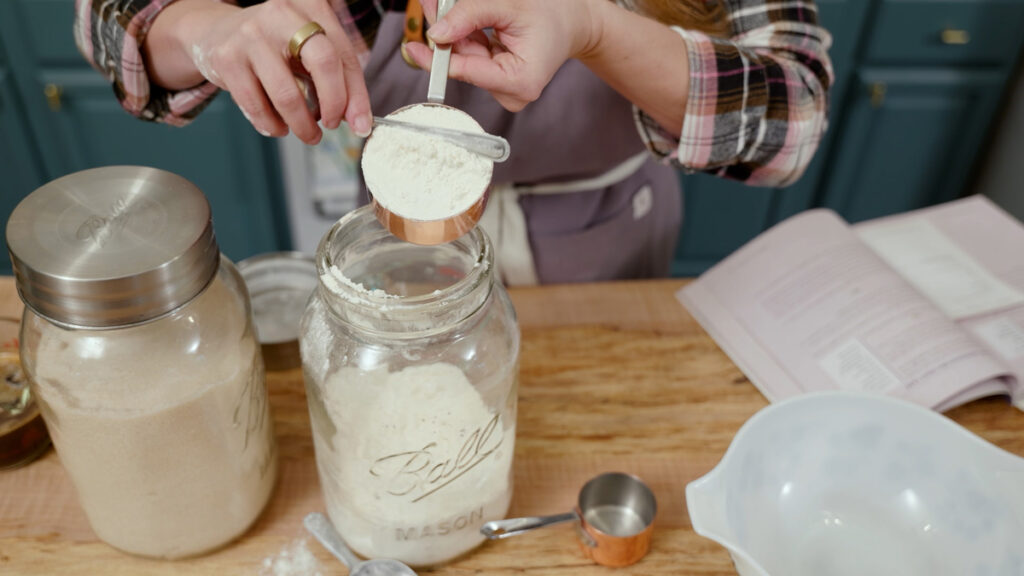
<point x="303" y="35"/>
<point x="405" y="56"/>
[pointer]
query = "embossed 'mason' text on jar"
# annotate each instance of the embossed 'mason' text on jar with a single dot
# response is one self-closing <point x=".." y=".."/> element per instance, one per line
<point x="410" y="355"/>
<point x="139" y="348"/>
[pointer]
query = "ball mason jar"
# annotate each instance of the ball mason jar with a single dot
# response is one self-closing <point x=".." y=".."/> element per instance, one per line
<point x="139" y="348"/>
<point x="410" y="355"/>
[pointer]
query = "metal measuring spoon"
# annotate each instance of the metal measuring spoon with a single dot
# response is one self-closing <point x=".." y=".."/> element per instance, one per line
<point x="324" y="532"/>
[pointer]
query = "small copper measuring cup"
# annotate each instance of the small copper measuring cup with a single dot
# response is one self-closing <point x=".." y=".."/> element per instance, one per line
<point x="614" y="520"/>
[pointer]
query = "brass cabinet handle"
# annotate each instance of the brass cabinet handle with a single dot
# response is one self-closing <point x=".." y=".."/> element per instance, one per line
<point x="53" y="93"/>
<point x="878" y="90"/>
<point x="955" y="37"/>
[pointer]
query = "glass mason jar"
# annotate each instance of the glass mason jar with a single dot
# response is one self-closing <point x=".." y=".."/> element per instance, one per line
<point x="139" y="348"/>
<point x="410" y="355"/>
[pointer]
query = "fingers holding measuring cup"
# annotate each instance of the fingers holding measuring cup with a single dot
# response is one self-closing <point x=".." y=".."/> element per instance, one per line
<point x="254" y="53"/>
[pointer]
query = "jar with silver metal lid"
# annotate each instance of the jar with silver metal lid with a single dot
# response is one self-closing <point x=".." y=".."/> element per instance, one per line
<point x="138" y="344"/>
<point x="410" y="355"/>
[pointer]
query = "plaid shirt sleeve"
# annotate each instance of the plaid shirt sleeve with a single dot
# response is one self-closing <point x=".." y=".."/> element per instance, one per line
<point x="110" y="34"/>
<point x="758" y="100"/>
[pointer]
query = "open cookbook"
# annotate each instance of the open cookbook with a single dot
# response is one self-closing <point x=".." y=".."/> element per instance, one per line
<point x="927" y="305"/>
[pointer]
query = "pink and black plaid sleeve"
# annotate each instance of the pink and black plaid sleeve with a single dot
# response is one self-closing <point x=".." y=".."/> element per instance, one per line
<point x="758" y="100"/>
<point x="110" y="34"/>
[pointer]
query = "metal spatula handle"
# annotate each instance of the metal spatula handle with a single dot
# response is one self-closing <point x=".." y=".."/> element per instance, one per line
<point x="322" y="529"/>
<point x="439" y="65"/>
<point x="492" y="147"/>
<point x="499" y="529"/>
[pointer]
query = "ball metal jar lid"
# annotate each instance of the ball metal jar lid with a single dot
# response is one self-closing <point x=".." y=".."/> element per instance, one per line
<point x="112" y="246"/>
<point x="280" y="284"/>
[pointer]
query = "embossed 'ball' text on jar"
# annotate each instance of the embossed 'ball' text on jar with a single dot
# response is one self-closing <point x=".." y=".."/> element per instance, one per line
<point x="139" y="348"/>
<point x="410" y="355"/>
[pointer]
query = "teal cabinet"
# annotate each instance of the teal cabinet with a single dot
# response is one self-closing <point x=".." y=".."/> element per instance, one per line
<point x="19" y="170"/>
<point x="947" y="32"/>
<point x="718" y="217"/>
<point x="909" y="140"/>
<point x="917" y="87"/>
<point x="70" y="111"/>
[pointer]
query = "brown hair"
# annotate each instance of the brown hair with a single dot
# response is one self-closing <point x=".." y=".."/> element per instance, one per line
<point x="704" y="15"/>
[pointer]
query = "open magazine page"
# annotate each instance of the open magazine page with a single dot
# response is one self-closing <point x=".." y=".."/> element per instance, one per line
<point x="968" y="258"/>
<point x="807" y="306"/>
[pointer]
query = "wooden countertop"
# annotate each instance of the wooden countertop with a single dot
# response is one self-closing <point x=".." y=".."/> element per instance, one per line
<point x="613" y="377"/>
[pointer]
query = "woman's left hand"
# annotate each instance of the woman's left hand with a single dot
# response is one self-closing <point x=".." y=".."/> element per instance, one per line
<point x="531" y="39"/>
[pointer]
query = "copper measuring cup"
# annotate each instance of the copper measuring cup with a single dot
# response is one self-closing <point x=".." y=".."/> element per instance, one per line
<point x="424" y="232"/>
<point x="614" y="520"/>
<point x="431" y="232"/>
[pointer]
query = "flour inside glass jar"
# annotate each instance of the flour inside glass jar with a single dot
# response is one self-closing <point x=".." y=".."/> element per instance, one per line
<point x="437" y="465"/>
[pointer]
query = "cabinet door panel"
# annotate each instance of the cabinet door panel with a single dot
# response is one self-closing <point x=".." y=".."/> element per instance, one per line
<point x="909" y="140"/>
<point x="47" y="27"/>
<point x="218" y="152"/>
<point x="954" y="32"/>
<point x="19" y="171"/>
<point x="719" y="216"/>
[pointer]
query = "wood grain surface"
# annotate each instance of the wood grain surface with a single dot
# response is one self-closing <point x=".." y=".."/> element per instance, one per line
<point x="613" y="377"/>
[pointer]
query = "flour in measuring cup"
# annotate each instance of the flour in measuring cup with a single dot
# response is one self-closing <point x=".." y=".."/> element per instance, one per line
<point x="416" y="464"/>
<point x="421" y="176"/>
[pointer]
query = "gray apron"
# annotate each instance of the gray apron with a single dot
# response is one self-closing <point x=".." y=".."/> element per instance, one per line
<point x="596" y="207"/>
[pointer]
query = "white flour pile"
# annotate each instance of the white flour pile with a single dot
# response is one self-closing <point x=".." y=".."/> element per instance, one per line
<point x="421" y="176"/>
<point x="416" y="464"/>
<point x="171" y="453"/>
<point x="293" y="560"/>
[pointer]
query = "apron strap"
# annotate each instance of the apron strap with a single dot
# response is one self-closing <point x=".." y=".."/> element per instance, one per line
<point x="505" y="223"/>
<point x="609" y="178"/>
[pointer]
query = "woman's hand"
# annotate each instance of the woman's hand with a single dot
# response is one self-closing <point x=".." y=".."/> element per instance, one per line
<point x="531" y="40"/>
<point x="642" y="59"/>
<point x="245" y="51"/>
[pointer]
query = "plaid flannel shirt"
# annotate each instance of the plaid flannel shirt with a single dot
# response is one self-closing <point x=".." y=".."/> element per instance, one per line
<point x="756" y="109"/>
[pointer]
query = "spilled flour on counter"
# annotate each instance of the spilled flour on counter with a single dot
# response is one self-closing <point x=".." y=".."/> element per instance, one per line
<point x="295" y="559"/>
<point x="421" y="176"/>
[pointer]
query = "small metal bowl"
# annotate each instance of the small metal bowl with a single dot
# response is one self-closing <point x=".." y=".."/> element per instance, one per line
<point x="429" y="232"/>
<point x="279" y="284"/>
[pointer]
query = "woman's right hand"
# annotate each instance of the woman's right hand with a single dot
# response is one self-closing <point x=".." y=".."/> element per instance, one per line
<point x="245" y="52"/>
